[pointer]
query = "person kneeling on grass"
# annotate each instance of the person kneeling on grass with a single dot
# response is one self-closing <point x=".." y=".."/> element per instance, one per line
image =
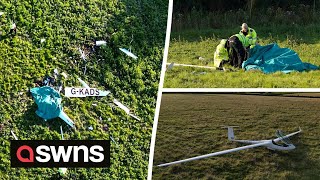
<point x="221" y="54"/>
<point x="250" y="35"/>
<point x="236" y="49"/>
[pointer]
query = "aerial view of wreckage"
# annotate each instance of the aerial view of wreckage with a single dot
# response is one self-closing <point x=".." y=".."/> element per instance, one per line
<point x="47" y="96"/>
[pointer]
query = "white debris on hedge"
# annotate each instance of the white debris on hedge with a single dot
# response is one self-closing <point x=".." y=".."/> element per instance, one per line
<point x="128" y="53"/>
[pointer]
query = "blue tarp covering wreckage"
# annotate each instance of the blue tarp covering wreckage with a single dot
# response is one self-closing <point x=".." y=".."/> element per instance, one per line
<point x="49" y="104"/>
<point x="272" y="58"/>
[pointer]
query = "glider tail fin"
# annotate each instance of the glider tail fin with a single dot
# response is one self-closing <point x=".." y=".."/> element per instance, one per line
<point x="66" y="119"/>
<point x="230" y="132"/>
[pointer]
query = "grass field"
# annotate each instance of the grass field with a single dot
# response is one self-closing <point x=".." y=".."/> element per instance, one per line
<point x="66" y="26"/>
<point x="186" y="46"/>
<point x="189" y="125"/>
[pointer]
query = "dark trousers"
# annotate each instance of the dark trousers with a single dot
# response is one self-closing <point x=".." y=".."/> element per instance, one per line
<point x="236" y="51"/>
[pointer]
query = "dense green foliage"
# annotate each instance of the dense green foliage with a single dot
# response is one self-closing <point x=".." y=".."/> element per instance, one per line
<point x="268" y="16"/>
<point x="185" y="6"/>
<point x="190" y="125"/>
<point x="67" y="25"/>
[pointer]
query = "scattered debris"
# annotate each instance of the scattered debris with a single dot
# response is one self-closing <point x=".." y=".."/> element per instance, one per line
<point x="113" y="139"/>
<point x="106" y="127"/>
<point x="13" y="28"/>
<point x="61" y="133"/>
<point x="60" y="88"/>
<point x="64" y="75"/>
<point x="170" y="66"/>
<point x="85" y="69"/>
<point x="42" y="40"/>
<point x="20" y="93"/>
<point x="201" y="58"/>
<point x="15" y="137"/>
<point x="82" y="55"/>
<point x="101" y="43"/>
<point x="120" y="105"/>
<point x="90" y="128"/>
<point x="94" y="104"/>
<point x="128" y="53"/>
<point x="1" y="13"/>
<point x="62" y="170"/>
<point x="55" y="73"/>
<point x="126" y="109"/>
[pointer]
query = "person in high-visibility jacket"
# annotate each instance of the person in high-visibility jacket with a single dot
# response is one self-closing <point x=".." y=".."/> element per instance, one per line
<point x="236" y="49"/>
<point x="250" y="35"/>
<point x="221" y="53"/>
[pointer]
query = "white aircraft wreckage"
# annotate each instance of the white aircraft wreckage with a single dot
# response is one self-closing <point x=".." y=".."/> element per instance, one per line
<point x="115" y="101"/>
<point x="281" y="143"/>
<point x="128" y="53"/>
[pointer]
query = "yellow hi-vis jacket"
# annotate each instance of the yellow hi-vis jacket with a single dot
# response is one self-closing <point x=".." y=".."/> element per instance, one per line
<point x="221" y="53"/>
<point x="251" y="37"/>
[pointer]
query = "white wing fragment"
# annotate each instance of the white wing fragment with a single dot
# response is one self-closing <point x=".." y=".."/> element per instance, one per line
<point x="83" y="83"/>
<point x="101" y="43"/>
<point x="126" y="109"/>
<point x="61" y="132"/>
<point x="120" y="105"/>
<point x="15" y="137"/>
<point x="64" y="75"/>
<point x="128" y="53"/>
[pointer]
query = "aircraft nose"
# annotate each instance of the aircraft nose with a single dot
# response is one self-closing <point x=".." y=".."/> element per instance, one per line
<point x="292" y="147"/>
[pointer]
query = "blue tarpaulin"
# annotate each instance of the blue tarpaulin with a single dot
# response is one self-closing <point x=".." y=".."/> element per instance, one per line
<point x="272" y="58"/>
<point x="49" y="104"/>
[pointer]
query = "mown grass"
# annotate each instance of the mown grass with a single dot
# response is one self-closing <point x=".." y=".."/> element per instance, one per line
<point x="189" y="125"/>
<point x="65" y="26"/>
<point x="187" y="46"/>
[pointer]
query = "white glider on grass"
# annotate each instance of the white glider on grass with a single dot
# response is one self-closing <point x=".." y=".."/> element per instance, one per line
<point x="128" y="53"/>
<point x="116" y="102"/>
<point x="270" y="144"/>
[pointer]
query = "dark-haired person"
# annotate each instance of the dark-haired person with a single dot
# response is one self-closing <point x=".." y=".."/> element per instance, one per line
<point x="236" y="49"/>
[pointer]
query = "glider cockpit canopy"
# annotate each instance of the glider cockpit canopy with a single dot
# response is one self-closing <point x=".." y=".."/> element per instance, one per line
<point x="283" y="138"/>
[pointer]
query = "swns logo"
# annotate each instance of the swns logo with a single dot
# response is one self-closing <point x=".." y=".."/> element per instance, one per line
<point x="64" y="153"/>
